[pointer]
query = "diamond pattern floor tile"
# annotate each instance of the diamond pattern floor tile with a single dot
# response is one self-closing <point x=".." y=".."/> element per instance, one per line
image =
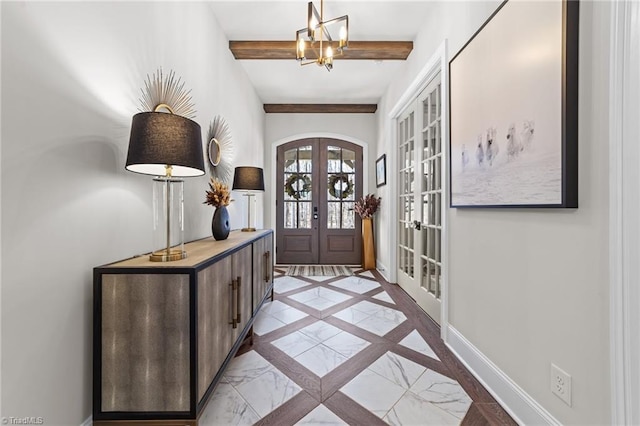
<point x="366" y="274"/>
<point x="356" y="284"/>
<point x="289" y="315"/>
<point x="275" y="306"/>
<point x="346" y="344"/>
<point x="321" y="415"/>
<point x="321" y="359"/>
<point x="373" y="392"/>
<point x="320" y="298"/>
<point x="443" y="392"/>
<point x="286" y="283"/>
<point x="228" y="407"/>
<point x="265" y="323"/>
<point x="320" y="331"/>
<point x="417" y="343"/>
<point x="399" y="370"/>
<point x="245" y="368"/>
<point x="413" y="410"/>
<point x="295" y="343"/>
<point x="384" y="296"/>
<point x="268" y="391"/>
<point x="320" y="278"/>
<point x="351" y="315"/>
<point x="398" y="389"/>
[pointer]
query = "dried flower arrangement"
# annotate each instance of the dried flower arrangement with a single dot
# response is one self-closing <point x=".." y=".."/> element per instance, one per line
<point x="367" y="206"/>
<point x="219" y="194"/>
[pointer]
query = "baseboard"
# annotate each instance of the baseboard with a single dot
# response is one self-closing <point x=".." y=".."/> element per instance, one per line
<point x="88" y="421"/>
<point x="384" y="271"/>
<point x="520" y="405"/>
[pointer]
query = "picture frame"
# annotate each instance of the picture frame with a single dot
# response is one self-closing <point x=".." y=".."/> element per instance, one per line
<point x="381" y="171"/>
<point x="513" y="108"/>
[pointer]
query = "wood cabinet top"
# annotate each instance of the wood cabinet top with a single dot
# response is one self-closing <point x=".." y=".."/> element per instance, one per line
<point x="198" y="251"/>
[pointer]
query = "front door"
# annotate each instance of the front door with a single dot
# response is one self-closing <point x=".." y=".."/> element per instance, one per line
<point x="318" y="182"/>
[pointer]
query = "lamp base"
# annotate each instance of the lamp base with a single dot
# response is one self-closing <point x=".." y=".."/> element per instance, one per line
<point x="248" y="229"/>
<point x="170" y="256"/>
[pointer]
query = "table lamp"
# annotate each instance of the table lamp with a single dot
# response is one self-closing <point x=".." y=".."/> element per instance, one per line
<point x="167" y="146"/>
<point x="248" y="179"/>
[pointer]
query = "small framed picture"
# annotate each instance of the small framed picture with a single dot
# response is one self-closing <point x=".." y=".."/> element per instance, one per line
<point x="381" y="171"/>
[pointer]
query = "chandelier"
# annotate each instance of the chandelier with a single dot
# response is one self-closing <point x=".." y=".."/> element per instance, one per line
<point x="317" y="37"/>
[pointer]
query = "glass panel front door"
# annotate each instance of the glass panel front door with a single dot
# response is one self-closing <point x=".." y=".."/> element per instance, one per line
<point x="319" y="181"/>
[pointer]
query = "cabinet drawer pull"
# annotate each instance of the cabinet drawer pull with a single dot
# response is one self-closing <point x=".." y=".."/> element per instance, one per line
<point x="266" y="267"/>
<point x="233" y="294"/>
<point x="238" y="301"/>
<point x="269" y="268"/>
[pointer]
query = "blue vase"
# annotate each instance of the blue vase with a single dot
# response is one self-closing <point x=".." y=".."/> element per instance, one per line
<point x="220" y="223"/>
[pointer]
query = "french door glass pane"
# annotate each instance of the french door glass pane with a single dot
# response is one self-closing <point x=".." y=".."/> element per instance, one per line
<point x="305" y="215"/>
<point x="290" y="215"/>
<point x="431" y="257"/>
<point x="298" y="194"/>
<point x="341" y="187"/>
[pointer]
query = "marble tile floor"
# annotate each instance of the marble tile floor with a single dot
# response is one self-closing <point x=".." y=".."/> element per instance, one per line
<point x="347" y="350"/>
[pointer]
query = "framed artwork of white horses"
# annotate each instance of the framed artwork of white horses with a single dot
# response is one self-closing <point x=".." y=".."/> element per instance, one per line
<point x="513" y="100"/>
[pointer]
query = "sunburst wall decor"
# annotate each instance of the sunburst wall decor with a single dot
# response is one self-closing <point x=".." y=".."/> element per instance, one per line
<point x="219" y="150"/>
<point x="167" y="93"/>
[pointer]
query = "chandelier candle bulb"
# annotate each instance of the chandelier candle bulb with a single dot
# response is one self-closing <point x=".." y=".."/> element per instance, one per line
<point x="343" y="37"/>
<point x="318" y="33"/>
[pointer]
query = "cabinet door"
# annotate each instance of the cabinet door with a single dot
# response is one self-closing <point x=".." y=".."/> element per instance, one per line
<point x="215" y="334"/>
<point x="241" y="273"/>
<point x="262" y="269"/>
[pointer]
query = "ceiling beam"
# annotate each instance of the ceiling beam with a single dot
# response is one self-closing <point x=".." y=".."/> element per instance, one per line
<point x="320" y="108"/>
<point x="373" y="50"/>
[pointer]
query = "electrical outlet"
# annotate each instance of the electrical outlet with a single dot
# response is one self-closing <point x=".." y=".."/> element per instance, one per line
<point x="561" y="384"/>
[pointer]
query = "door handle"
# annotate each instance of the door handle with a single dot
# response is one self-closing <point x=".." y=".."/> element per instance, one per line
<point x="417" y="225"/>
<point x="315" y="213"/>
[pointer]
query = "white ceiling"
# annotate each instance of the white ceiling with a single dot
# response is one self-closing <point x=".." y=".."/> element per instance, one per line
<point x="350" y="81"/>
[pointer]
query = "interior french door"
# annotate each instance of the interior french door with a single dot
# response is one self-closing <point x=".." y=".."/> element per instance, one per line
<point x="420" y="199"/>
<point x="318" y="181"/>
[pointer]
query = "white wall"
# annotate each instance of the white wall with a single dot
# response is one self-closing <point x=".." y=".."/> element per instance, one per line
<point x="71" y="79"/>
<point x="455" y="21"/>
<point x="281" y="128"/>
<point x="529" y="287"/>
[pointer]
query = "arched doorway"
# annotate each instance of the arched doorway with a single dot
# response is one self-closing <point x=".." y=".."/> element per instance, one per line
<point x="318" y="181"/>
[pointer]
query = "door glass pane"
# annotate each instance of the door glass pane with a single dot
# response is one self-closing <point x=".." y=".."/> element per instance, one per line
<point x="341" y="187"/>
<point x="431" y="257"/>
<point x="348" y="161"/>
<point x="297" y="189"/>
<point x="291" y="160"/>
<point x="333" y="215"/>
<point x="348" y="216"/>
<point x="305" y="215"/>
<point x="406" y="167"/>
<point x="305" y="160"/>
<point x="333" y="160"/>
<point x="290" y="215"/>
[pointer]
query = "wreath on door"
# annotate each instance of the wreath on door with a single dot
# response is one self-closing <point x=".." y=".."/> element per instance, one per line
<point x="292" y="185"/>
<point x="339" y="186"/>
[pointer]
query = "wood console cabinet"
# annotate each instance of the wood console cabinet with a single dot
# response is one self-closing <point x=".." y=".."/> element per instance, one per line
<point x="163" y="332"/>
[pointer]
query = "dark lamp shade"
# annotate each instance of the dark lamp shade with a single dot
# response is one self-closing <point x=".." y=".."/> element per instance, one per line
<point x="159" y="139"/>
<point x="248" y="179"/>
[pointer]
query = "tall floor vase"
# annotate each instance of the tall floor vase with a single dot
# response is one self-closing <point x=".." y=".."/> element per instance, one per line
<point x="368" y="246"/>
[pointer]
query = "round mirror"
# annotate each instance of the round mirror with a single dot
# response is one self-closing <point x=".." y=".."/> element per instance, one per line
<point x="215" y="154"/>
